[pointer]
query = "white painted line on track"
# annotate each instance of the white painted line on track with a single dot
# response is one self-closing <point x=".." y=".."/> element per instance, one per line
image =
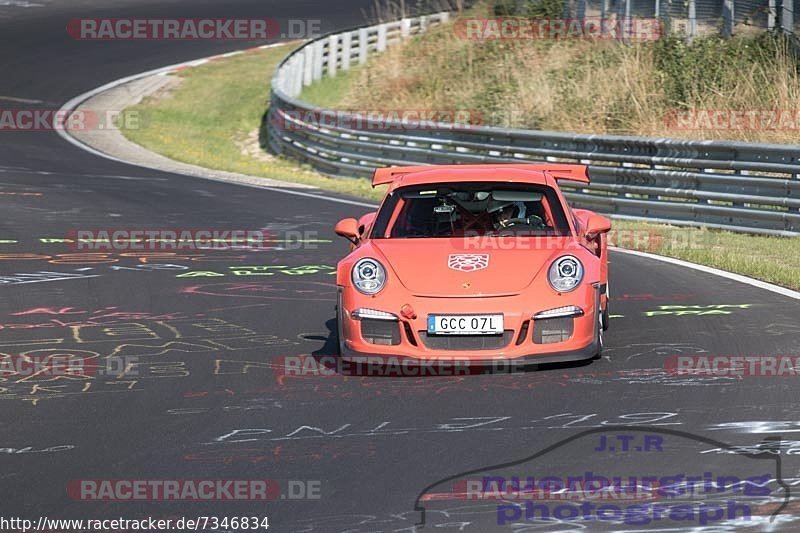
<point x="20" y="100"/>
<point x="715" y="271"/>
<point x="75" y="102"/>
<point x="72" y="104"/>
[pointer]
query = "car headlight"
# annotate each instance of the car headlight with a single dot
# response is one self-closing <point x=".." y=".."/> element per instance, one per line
<point x="566" y="273"/>
<point x="369" y="276"/>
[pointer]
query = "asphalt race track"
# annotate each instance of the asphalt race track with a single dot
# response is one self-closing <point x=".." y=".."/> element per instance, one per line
<point x="203" y="393"/>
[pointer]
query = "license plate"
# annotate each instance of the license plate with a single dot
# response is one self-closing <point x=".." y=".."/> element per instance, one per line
<point x="465" y="324"/>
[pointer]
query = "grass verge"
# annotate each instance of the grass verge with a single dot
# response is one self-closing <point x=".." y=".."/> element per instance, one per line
<point x="211" y="118"/>
<point x="216" y="110"/>
<point x="744" y="88"/>
<point x="772" y="259"/>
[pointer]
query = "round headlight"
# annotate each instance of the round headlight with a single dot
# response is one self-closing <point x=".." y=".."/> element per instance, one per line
<point x="369" y="276"/>
<point x="566" y="273"/>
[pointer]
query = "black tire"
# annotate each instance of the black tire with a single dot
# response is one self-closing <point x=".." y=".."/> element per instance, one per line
<point x="606" y="314"/>
<point x="339" y="322"/>
<point x="600" y="341"/>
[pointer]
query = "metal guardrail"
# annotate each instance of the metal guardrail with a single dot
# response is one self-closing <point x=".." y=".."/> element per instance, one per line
<point x="693" y="18"/>
<point x="737" y="186"/>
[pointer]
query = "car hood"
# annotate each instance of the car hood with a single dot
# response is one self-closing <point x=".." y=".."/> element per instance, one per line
<point x="491" y="266"/>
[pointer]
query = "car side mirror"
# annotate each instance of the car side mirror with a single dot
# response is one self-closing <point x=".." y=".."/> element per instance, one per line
<point x="596" y="225"/>
<point x="347" y="228"/>
<point x="365" y="222"/>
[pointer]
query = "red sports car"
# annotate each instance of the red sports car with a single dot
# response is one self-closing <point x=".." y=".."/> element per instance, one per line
<point x="474" y="263"/>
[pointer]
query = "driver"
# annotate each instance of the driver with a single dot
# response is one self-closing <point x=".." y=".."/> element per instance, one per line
<point x="510" y="214"/>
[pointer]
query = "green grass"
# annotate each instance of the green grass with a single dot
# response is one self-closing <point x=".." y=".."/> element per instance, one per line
<point x="662" y="88"/>
<point x="772" y="259"/>
<point x="210" y="114"/>
<point x="218" y="104"/>
<point x="330" y="91"/>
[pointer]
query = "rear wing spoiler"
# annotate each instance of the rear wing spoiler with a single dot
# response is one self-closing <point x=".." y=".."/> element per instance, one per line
<point x="569" y="172"/>
<point x="386" y="175"/>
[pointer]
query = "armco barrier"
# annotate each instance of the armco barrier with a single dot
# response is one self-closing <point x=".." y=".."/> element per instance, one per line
<point x="737" y="186"/>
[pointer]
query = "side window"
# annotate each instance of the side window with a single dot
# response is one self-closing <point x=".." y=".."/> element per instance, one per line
<point x="401" y="227"/>
<point x="416" y="218"/>
<point x="384" y="216"/>
<point x="557" y="218"/>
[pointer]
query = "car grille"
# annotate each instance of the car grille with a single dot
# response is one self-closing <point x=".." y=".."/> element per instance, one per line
<point x="466" y="342"/>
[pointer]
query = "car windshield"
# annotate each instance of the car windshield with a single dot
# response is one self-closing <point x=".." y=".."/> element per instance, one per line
<point x="471" y="209"/>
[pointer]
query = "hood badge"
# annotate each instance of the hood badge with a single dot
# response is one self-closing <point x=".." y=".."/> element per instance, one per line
<point x="468" y="262"/>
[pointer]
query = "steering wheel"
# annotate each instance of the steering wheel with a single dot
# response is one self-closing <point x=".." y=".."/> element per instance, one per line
<point x="530" y="221"/>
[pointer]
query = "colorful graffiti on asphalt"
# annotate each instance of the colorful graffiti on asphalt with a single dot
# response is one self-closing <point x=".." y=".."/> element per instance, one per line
<point x="106" y="264"/>
<point x="263" y="270"/>
<point x="134" y="348"/>
<point x="696" y="310"/>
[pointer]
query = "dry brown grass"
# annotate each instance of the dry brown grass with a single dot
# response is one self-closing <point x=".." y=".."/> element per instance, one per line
<point x="584" y="87"/>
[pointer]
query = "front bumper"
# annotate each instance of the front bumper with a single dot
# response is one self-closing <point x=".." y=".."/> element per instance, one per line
<point x="523" y="342"/>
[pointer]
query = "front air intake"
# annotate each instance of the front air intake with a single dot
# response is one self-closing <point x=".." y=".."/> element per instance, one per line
<point x="552" y="330"/>
<point x="382" y="332"/>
